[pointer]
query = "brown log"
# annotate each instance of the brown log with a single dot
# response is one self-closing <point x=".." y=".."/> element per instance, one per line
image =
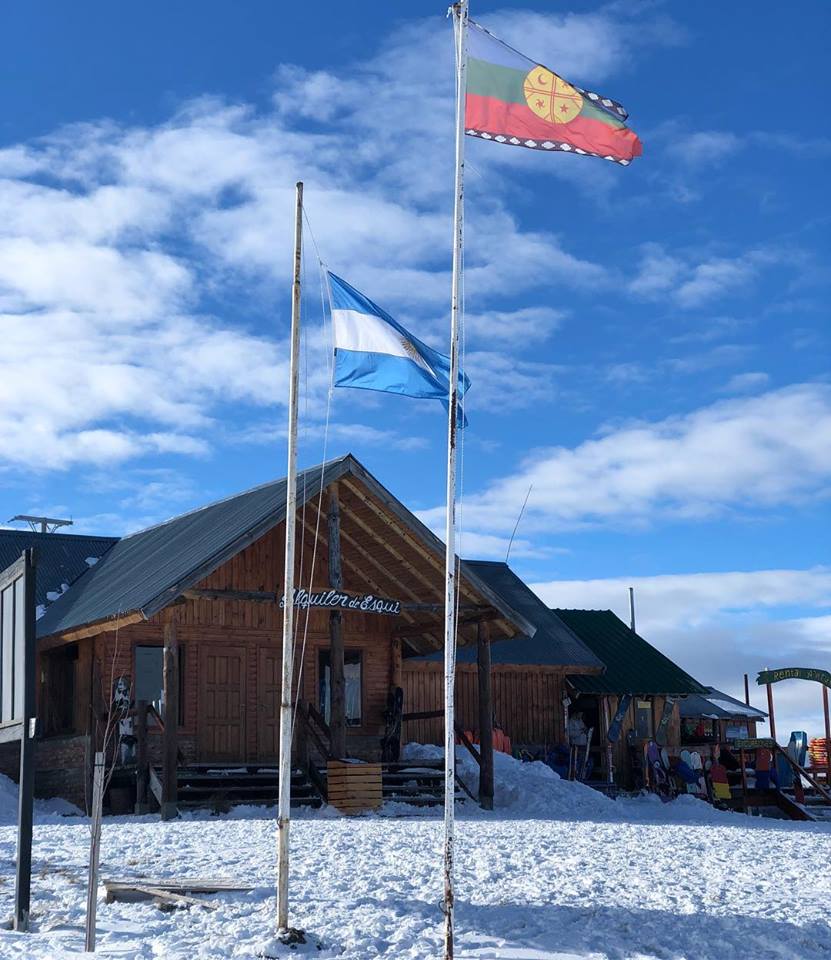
<point x="483" y="639"/>
<point x="142" y="771"/>
<point x="253" y="596"/>
<point x="337" y="719"/>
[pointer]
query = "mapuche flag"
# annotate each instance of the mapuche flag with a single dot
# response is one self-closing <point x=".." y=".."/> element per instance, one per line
<point x="513" y="100"/>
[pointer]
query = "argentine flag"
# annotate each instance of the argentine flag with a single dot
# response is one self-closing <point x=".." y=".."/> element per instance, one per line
<point x="374" y="352"/>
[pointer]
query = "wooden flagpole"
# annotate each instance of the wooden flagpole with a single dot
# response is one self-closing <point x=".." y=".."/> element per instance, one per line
<point x="284" y="796"/>
<point x="460" y="15"/>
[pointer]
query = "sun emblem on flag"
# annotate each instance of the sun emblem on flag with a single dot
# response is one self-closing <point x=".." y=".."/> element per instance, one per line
<point x="550" y="97"/>
<point x="413" y="354"/>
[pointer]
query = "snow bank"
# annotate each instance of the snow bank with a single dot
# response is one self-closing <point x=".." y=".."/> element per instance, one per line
<point x="534" y="790"/>
<point x="524" y="789"/>
<point x="44" y="809"/>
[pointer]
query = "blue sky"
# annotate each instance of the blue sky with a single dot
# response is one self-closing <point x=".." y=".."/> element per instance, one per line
<point x="648" y="346"/>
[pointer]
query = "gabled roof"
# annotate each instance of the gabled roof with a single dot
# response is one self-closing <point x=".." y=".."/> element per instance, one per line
<point x="553" y="643"/>
<point x="61" y="557"/>
<point x="719" y="706"/>
<point x="144" y="572"/>
<point x="632" y="665"/>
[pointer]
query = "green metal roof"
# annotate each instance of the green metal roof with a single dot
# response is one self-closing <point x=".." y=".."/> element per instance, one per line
<point x="632" y="665"/>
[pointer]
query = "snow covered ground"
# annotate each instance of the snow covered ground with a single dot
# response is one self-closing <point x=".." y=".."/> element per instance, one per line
<point x="557" y="871"/>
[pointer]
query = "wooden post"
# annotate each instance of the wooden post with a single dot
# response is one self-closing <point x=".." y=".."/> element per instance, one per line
<point x="142" y="772"/>
<point x="26" y="791"/>
<point x="770" y="710"/>
<point x="337" y="702"/>
<point x="396" y="664"/>
<point x="827" y="735"/>
<point x="483" y="639"/>
<point x="742" y="761"/>
<point x="170" y="742"/>
<point x="94" y="851"/>
<point x="607" y="722"/>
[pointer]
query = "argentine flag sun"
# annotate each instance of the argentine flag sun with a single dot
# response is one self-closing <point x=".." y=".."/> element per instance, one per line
<point x="374" y="352"/>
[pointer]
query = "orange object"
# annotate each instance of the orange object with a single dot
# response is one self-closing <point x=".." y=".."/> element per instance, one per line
<point x="762" y="761"/>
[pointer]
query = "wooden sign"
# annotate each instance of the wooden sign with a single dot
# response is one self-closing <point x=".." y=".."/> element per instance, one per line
<point x="338" y="600"/>
<point x="794" y="673"/>
<point x="754" y="743"/>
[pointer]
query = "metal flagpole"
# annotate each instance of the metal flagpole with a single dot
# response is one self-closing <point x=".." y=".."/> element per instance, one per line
<point x="284" y="801"/>
<point x="460" y="14"/>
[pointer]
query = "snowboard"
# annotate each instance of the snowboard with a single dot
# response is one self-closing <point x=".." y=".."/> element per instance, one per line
<point x="663" y="725"/>
<point x="617" y="721"/>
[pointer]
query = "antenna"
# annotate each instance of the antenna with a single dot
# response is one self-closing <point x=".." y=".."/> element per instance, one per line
<point x="513" y="534"/>
<point x="46" y="524"/>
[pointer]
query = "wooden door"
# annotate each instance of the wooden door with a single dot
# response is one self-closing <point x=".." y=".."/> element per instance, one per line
<point x="222" y="703"/>
<point x="269" y="670"/>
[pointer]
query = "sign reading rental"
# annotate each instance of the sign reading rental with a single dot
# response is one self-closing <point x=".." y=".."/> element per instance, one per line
<point x="794" y="673"/>
<point x="338" y="600"/>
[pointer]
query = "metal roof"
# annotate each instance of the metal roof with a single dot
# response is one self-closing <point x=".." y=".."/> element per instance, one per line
<point x="553" y="643"/>
<point x="632" y="665"/>
<point x="145" y="571"/>
<point x="61" y="557"/>
<point x="719" y="706"/>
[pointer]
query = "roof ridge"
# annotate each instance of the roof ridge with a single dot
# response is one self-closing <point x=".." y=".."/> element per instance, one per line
<point x="233" y="496"/>
<point x="54" y="536"/>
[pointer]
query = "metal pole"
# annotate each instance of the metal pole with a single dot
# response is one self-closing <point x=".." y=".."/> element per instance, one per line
<point x="770" y="709"/>
<point x="827" y="736"/>
<point x="460" y="14"/>
<point x="284" y="800"/>
<point x="747" y="689"/>
<point x="632" y="608"/>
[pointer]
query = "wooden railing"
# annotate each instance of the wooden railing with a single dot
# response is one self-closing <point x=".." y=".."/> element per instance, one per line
<point x="464" y="739"/>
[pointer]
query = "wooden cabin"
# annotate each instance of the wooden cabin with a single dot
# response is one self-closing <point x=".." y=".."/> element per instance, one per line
<point x="186" y="617"/>
<point x="636" y="669"/>
<point x="184" y="620"/>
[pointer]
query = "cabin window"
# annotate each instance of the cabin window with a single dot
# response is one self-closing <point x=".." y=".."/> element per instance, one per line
<point x="643" y="719"/>
<point x="149" y="683"/>
<point x="698" y="730"/>
<point x="353" y="692"/>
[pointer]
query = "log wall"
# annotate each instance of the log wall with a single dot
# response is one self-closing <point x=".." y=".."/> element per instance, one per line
<point x="527" y="701"/>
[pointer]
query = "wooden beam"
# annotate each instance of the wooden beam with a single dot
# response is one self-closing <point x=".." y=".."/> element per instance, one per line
<point x="433" y="585"/>
<point x="384" y="571"/>
<point x="253" y="596"/>
<point x="396" y="664"/>
<point x="337" y="719"/>
<point x="90" y="630"/>
<point x="483" y="640"/>
<point x="171" y="722"/>
<point x="361" y="574"/>
<point x="435" y="562"/>
<point x="142" y="765"/>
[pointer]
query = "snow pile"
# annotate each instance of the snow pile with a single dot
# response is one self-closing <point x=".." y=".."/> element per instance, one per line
<point x="524" y="789"/>
<point x="44" y="809"/>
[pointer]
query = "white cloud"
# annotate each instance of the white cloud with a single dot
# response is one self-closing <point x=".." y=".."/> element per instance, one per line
<point x="690" y="282"/>
<point x="704" y="147"/>
<point x="719" y="626"/>
<point x="122" y="247"/>
<point x="748" y="382"/>
<point x="737" y="455"/>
